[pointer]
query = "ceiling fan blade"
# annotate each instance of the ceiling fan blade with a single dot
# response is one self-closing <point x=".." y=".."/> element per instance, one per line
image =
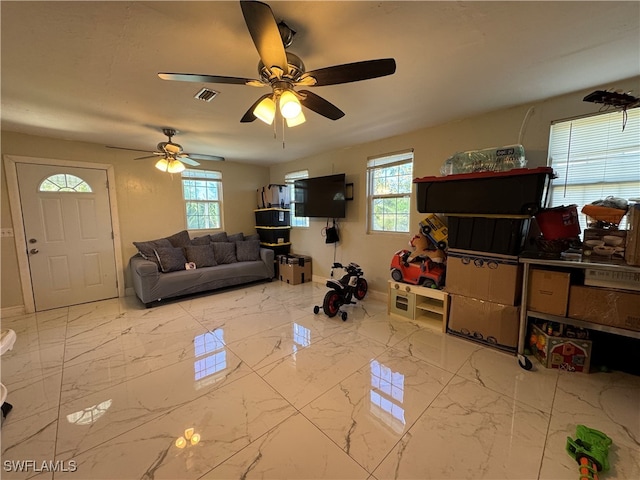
<point x="129" y="149"/>
<point x="148" y="156"/>
<point x="352" y="72"/>
<point x="320" y="105"/>
<point x="188" y="161"/>
<point x="201" y="156"/>
<point x="264" y="31"/>
<point x="249" y="116"/>
<point x="201" y="78"/>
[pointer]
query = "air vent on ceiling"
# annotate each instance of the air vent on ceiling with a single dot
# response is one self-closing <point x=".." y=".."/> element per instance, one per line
<point x="206" y="94"/>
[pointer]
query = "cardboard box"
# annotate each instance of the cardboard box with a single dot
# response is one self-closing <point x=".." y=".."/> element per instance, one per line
<point x="603" y="306"/>
<point x="489" y="323"/>
<point x="595" y="277"/>
<point x="294" y="269"/>
<point x="493" y="278"/>
<point x="548" y="291"/>
<point x="571" y="354"/>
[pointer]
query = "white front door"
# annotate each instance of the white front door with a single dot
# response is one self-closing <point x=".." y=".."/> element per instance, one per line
<point x="67" y="226"/>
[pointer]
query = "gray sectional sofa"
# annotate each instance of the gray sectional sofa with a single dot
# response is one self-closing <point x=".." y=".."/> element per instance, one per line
<point x="159" y="268"/>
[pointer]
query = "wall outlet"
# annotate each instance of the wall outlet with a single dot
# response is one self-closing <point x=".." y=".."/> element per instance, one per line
<point x="6" y="232"/>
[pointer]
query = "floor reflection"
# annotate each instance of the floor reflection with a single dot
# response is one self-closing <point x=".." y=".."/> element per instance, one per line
<point x="387" y="395"/>
<point x="89" y="415"/>
<point x="212" y="345"/>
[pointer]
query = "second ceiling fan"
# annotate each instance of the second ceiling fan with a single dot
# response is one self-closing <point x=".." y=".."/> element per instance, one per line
<point x="283" y="71"/>
<point x="172" y="157"/>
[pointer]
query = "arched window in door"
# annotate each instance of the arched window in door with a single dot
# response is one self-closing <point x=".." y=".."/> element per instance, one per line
<point x="63" y="182"/>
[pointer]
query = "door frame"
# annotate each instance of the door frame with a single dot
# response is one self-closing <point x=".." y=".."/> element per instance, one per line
<point x="11" y="172"/>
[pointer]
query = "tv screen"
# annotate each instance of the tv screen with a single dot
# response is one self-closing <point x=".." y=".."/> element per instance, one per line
<point x="321" y="196"/>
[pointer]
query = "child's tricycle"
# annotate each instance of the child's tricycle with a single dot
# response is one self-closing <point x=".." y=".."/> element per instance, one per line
<point x="352" y="284"/>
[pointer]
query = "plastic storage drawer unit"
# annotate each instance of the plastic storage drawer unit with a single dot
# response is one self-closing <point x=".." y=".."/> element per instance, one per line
<point x="514" y="192"/>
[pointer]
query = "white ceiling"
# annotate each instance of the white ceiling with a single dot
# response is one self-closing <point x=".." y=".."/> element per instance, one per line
<point x="87" y="71"/>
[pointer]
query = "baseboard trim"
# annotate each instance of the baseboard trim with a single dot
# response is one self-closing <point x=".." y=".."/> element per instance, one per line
<point x="12" y="311"/>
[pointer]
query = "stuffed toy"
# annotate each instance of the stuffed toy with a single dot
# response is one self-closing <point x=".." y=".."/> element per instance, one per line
<point x="423" y="248"/>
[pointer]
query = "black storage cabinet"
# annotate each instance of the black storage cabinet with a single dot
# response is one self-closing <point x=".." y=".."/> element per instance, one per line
<point x="506" y="236"/>
<point x="514" y="192"/>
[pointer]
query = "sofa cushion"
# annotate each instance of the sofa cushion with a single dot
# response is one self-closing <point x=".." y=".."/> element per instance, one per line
<point x="201" y="255"/>
<point x="248" y="251"/>
<point x="255" y="236"/>
<point x="147" y="249"/>
<point x="203" y="240"/>
<point x="236" y="237"/>
<point x="170" y="258"/>
<point x="225" y="252"/>
<point x="180" y="239"/>
<point x="218" y="237"/>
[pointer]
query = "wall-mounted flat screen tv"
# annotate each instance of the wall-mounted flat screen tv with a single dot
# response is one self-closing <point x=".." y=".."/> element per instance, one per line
<point x="323" y="197"/>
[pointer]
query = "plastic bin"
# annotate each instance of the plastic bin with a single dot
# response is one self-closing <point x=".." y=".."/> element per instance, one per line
<point x="515" y="192"/>
<point x="274" y="235"/>
<point x="273" y="217"/>
<point x="493" y="235"/>
<point x="559" y="222"/>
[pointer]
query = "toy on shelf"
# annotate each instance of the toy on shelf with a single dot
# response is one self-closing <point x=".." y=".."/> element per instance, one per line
<point x="590" y="449"/>
<point x="352" y="284"/>
<point x="425" y="272"/>
<point x="425" y="265"/>
<point x="435" y="230"/>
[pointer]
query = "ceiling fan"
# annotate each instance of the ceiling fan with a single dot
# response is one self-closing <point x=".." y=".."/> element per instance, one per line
<point x="173" y="158"/>
<point x="283" y="71"/>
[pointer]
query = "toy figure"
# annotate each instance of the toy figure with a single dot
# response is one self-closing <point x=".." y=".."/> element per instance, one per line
<point x="423" y="248"/>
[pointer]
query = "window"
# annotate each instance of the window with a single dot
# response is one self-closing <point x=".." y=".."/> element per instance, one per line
<point x="64" y="182"/>
<point x="595" y="158"/>
<point x="202" y="191"/>
<point x="289" y="178"/>
<point x="389" y="180"/>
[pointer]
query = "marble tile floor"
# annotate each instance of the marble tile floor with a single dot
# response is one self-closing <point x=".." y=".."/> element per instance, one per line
<point x="110" y="390"/>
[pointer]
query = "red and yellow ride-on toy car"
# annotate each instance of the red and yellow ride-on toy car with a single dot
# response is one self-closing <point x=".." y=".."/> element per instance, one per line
<point x="423" y="272"/>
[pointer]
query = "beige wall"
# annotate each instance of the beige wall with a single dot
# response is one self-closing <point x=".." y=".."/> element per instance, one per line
<point x="432" y="146"/>
<point x="149" y="202"/>
<point x="150" y="206"/>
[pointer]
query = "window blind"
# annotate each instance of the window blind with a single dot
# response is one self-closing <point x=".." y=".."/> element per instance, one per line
<point x="594" y="157"/>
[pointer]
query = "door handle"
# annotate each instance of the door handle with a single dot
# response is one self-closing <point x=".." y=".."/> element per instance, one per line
<point x="34" y="251"/>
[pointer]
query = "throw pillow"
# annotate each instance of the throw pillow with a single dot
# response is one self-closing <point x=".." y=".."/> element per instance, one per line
<point x="255" y="236"/>
<point x="218" y="237"/>
<point x="225" y="252"/>
<point x="147" y="249"/>
<point x="180" y="239"/>
<point x="170" y="259"/>
<point x="236" y="237"/>
<point x="201" y="255"/>
<point x="203" y="240"/>
<point x="248" y="251"/>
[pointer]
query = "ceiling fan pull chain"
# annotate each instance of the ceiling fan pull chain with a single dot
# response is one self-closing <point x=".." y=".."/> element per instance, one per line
<point x="283" y="129"/>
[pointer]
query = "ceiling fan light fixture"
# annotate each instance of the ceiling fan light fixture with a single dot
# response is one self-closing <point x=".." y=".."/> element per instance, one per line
<point x="289" y="105"/>
<point x="175" y="166"/>
<point x="297" y="120"/>
<point x="162" y="164"/>
<point x="266" y="110"/>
